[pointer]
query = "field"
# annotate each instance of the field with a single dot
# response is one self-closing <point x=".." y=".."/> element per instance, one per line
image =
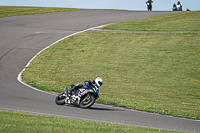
<point x="181" y="21"/>
<point x="8" y="11"/>
<point x="12" y="122"/>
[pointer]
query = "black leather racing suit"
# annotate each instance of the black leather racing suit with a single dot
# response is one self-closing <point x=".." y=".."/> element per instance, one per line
<point x="89" y="84"/>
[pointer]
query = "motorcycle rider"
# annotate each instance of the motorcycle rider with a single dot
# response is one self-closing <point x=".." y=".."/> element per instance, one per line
<point x="90" y="84"/>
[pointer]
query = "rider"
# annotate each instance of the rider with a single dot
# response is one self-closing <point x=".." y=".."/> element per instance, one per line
<point x="90" y="84"/>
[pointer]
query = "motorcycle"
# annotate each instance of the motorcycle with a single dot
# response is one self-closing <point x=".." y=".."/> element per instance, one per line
<point x="83" y="97"/>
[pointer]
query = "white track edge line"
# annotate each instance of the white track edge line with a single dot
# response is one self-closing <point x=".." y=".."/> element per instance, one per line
<point x="19" y="77"/>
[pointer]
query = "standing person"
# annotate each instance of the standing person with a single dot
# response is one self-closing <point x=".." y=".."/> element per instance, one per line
<point x="149" y="5"/>
<point x="179" y="6"/>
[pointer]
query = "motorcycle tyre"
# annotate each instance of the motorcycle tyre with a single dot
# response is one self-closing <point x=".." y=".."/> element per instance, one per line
<point x="89" y="104"/>
<point x="59" y="101"/>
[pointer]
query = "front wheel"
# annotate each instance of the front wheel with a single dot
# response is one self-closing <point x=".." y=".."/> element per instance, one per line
<point x="60" y="99"/>
<point x="87" y="101"/>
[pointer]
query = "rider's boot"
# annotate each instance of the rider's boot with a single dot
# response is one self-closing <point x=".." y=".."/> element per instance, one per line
<point x="69" y="93"/>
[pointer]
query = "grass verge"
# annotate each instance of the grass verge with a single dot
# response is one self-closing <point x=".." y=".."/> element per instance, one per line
<point x="147" y="71"/>
<point x="22" y="122"/>
<point x="8" y="11"/>
<point x="181" y="21"/>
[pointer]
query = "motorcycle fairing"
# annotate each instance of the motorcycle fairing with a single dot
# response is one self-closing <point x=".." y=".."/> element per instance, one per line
<point x="82" y="92"/>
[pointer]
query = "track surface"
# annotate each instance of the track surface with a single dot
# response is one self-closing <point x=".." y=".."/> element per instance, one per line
<point x="22" y="37"/>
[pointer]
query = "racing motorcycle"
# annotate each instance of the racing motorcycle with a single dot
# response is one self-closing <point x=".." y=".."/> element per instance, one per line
<point x="83" y="97"/>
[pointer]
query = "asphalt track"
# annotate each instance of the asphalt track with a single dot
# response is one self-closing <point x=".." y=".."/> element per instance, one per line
<point x="22" y="37"/>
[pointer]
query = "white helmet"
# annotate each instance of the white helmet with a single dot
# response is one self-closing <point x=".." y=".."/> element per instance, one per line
<point x="98" y="81"/>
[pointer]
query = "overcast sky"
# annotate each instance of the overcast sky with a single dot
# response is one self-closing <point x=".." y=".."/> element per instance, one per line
<point x="158" y="5"/>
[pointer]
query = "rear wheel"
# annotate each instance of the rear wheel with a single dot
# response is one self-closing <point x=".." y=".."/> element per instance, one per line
<point x="87" y="101"/>
<point x="60" y="99"/>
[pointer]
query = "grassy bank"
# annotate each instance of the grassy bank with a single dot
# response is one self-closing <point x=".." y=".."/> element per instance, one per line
<point x="12" y="122"/>
<point x="181" y="21"/>
<point x="8" y="11"/>
<point x="154" y="72"/>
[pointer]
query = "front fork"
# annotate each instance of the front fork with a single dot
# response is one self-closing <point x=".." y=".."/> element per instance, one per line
<point x="67" y="100"/>
<point x="66" y="90"/>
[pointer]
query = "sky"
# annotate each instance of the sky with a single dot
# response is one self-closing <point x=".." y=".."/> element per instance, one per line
<point x="158" y="5"/>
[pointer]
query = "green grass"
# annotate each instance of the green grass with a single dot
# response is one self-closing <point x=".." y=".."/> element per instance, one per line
<point x="181" y="21"/>
<point x="12" y="122"/>
<point x="146" y="71"/>
<point x="7" y="11"/>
